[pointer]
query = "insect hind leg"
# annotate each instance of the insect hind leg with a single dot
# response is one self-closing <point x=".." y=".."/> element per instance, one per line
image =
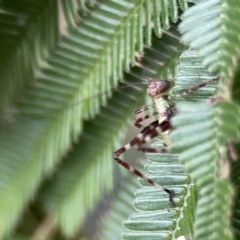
<point x="144" y="136"/>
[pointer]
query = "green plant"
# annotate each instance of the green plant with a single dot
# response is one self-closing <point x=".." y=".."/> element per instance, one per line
<point x="58" y="128"/>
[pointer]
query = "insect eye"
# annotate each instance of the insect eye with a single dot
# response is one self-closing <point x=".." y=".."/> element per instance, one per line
<point x="165" y="85"/>
<point x="159" y="87"/>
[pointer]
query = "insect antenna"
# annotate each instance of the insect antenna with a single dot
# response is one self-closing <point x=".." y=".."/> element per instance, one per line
<point x="195" y="88"/>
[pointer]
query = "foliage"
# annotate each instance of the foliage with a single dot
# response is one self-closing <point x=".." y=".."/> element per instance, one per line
<point x="204" y="130"/>
<point x="70" y="80"/>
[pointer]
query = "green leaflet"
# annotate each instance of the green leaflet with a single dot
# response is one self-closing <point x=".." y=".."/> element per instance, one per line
<point x="61" y="69"/>
<point x="201" y="31"/>
<point x="158" y="15"/>
<point x="201" y="135"/>
<point x="65" y="193"/>
<point x="203" y="131"/>
<point x="45" y="68"/>
<point x="203" y="148"/>
<point x="121" y="206"/>
<point x="214" y="35"/>
<point x="154" y="221"/>
<point x="24" y="45"/>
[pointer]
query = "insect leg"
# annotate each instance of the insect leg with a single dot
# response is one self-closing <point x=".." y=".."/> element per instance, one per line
<point x="144" y="136"/>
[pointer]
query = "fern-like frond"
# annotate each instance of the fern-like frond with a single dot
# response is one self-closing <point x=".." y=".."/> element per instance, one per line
<point x="65" y="197"/>
<point x="229" y="39"/>
<point x="121" y="206"/>
<point x="87" y="61"/>
<point x="161" y="13"/>
<point x="154" y="221"/>
<point x="201" y="30"/>
<point x="24" y="45"/>
<point x="51" y="65"/>
<point x="214" y="34"/>
<point x="201" y="135"/>
<point x="204" y="159"/>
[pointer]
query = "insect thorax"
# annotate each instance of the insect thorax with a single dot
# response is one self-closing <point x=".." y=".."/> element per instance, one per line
<point x="166" y="108"/>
